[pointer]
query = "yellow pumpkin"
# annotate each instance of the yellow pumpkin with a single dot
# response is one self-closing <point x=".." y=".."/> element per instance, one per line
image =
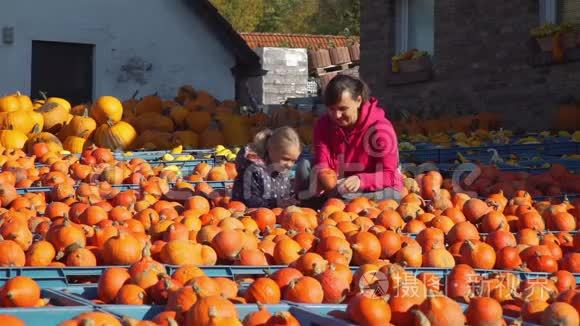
<point x="568" y="117"/>
<point x="24" y="101"/>
<point x="37" y="104"/>
<point x="204" y="101"/>
<point x="287" y="116"/>
<point x="231" y="105"/>
<point x="236" y="129"/>
<point x="53" y="143"/>
<point x="9" y="103"/>
<point x="179" y="115"/>
<point x="129" y="105"/>
<point x="107" y="108"/>
<point x="17" y="120"/>
<point x="12" y="139"/>
<point x="116" y="136"/>
<point x="306" y="133"/>
<point x="198" y="121"/>
<point x="80" y="126"/>
<point x="259" y="119"/>
<point x="212" y="136"/>
<point x="153" y="139"/>
<point x="153" y="121"/>
<point x="60" y="101"/>
<point x="149" y="104"/>
<point x="184" y="94"/>
<point x="187" y="138"/>
<point x="37" y="118"/>
<point x="55" y="116"/>
<point x="169" y="104"/>
<point x="79" y="109"/>
<point x="74" y="144"/>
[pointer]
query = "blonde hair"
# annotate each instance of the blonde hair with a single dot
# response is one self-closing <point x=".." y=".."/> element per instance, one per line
<point x="282" y="137"/>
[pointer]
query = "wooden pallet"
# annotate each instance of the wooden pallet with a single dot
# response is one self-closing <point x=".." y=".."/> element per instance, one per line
<point x="334" y="68"/>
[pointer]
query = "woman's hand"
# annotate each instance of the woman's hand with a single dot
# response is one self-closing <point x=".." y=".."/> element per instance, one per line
<point x="349" y="185"/>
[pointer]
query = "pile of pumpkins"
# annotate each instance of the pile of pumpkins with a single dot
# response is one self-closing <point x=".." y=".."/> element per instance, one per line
<point x="413" y="124"/>
<point x="566" y="120"/>
<point x="92" y="224"/>
<point x="97" y="166"/>
<point x="193" y="119"/>
<point x="555" y="181"/>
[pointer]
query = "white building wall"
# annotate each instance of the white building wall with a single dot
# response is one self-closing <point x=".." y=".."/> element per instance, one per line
<point x="163" y="34"/>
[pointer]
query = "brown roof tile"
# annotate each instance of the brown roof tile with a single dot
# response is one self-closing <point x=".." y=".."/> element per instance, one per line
<point x="257" y="40"/>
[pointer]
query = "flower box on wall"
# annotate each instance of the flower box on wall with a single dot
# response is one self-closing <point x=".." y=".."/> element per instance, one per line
<point x="549" y="35"/>
<point x="411" y="61"/>
<point x="415" y="65"/>
<point x="410" y="67"/>
<point x="546" y="43"/>
<point x="570" y="40"/>
<point x="554" y="44"/>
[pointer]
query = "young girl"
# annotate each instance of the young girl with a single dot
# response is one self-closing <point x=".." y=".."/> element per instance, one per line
<point x="264" y="169"/>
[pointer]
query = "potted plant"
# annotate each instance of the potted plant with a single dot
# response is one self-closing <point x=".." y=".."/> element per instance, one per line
<point x="411" y="61"/>
<point x="544" y="35"/>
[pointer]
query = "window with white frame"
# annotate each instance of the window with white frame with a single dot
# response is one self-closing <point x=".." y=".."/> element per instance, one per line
<point x="414" y="25"/>
<point x="560" y="11"/>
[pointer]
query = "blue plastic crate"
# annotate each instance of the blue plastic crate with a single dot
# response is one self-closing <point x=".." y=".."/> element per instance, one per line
<point x="54" y="277"/>
<point x="146" y="312"/>
<point x="311" y="317"/>
<point x="85" y="294"/>
<point x="76" y="277"/>
<point x="442" y="272"/>
<point x="528" y="148"/>
<point x="158" y="154"/>
<point x="424" y="146"/>
<point x="157" y="161"/>
<point x="61" y="277"/>
<point x="46" y="315"/>
<point x="232" y="270"/>
<point x="123" y="187"/>
<point x="420" y="156"/>
<point x="561" y="148"/>
<point x="308" y="316"/>
<point x="62" y="307"/>
<point x="570" y="164"/>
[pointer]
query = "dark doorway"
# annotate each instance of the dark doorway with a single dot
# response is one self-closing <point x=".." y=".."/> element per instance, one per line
<point x="63" y="70"/>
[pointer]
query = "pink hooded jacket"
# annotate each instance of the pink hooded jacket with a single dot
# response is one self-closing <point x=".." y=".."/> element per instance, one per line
<point x="369" y="149"/>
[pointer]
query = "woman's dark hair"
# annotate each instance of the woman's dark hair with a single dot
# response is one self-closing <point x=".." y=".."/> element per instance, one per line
<point x="341" y="83"/>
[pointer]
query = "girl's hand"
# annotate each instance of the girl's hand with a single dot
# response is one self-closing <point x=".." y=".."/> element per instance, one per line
<point x="349" y="185"/>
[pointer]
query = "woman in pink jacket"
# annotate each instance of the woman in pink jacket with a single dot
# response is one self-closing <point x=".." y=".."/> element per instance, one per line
<point x="355" y="140"/>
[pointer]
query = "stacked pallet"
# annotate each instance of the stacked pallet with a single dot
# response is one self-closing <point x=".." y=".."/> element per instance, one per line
<point x="327" y="63"/>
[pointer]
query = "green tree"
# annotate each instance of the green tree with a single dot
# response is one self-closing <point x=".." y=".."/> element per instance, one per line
<point x="244" y="15"/>
<point x="275" y="16"/>
<point x="293" y="16"/>
<point x="338" y="17"/>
